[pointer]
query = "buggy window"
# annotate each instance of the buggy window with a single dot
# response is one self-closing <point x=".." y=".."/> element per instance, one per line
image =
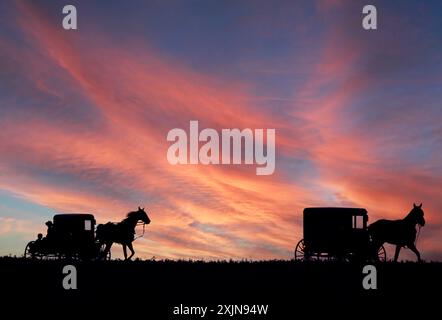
<point x="358" y="222"/>
<point x="87" y="225"/>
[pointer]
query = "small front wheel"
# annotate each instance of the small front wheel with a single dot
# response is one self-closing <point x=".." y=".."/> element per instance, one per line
<point x="102" y="254"/>
<point x="30" y="250"/>
<point x="382" y="254"/>
<point x="300" y="254"/>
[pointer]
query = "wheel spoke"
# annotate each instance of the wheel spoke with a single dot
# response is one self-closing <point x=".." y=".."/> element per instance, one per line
<point x="300" y="250"/>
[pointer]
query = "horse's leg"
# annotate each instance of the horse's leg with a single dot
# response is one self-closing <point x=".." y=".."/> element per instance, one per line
<point x="413" y="248"/>
<point x="131" y="248"/>
<point x="374" y="250"/>
<point x="106" y="250"/>
<point x="396" y="253"/>
<point x="124" y="251"/>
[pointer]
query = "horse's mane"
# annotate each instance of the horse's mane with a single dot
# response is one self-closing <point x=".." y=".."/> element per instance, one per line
<point x="411" y="213"/>
<point x="131" y="214"/>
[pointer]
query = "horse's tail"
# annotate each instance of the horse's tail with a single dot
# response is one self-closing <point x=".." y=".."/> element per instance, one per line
<point x="376" y="225"/>
<point x="101" y="233"/>
<point x="377" y="230"/>
<point x="372" y="228"/>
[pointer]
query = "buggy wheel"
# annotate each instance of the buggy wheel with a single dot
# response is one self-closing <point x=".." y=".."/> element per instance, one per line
<point x="27" y="254"/>
<point x="300" y="254"/>
<point x="108" y="256"/>
<point x="32" y="253"/>
<point x="382" y="254"/>
<point x="101" y="255"/>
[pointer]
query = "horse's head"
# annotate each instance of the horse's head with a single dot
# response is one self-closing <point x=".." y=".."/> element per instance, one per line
<point x="418" y="214"/>
<point x="142" y="215"/>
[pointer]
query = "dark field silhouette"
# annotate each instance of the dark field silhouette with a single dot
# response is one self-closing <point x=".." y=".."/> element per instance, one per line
<point x="155" y="287"/>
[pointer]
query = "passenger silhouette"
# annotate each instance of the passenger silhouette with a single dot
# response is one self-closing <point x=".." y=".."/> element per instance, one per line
<point x="39" y="238"/>
<point x="50" y="232"/>
<point x="39" y="243"/>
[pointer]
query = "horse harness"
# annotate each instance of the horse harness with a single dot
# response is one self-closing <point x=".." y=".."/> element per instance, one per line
<point x="418" y="233"/>
<point x="139" y="224"/>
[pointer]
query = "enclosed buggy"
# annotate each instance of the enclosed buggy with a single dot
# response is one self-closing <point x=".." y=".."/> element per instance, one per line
<point x="336" y="233"/>
<point x="68" y="236"/>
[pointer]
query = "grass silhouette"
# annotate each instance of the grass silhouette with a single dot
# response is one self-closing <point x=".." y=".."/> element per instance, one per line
<point x="162" y="284"/>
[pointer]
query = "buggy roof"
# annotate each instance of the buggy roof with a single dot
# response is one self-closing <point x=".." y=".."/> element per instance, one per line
<point x="84" y="215"/>
<point x="74" y="222"/>
<point x="335" y="211"/>
<point x="73" y="217"/>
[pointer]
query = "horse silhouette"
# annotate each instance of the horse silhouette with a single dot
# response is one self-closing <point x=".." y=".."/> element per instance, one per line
<point x="401" y="233"/>
<point x="122" y="232"/>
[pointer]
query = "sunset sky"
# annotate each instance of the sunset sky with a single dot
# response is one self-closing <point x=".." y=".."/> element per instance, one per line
<point x="84" y="116"/>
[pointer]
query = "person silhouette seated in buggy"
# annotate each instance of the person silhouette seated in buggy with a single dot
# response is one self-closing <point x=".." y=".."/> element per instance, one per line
<point x="39" y="238"/>
<point x="37" y="244"/>
<point x="50" y="232"/>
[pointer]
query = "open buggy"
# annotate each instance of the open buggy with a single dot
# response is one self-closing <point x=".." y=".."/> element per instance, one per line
<point x="68" y="236"/>
<point x="336" y="234"/>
